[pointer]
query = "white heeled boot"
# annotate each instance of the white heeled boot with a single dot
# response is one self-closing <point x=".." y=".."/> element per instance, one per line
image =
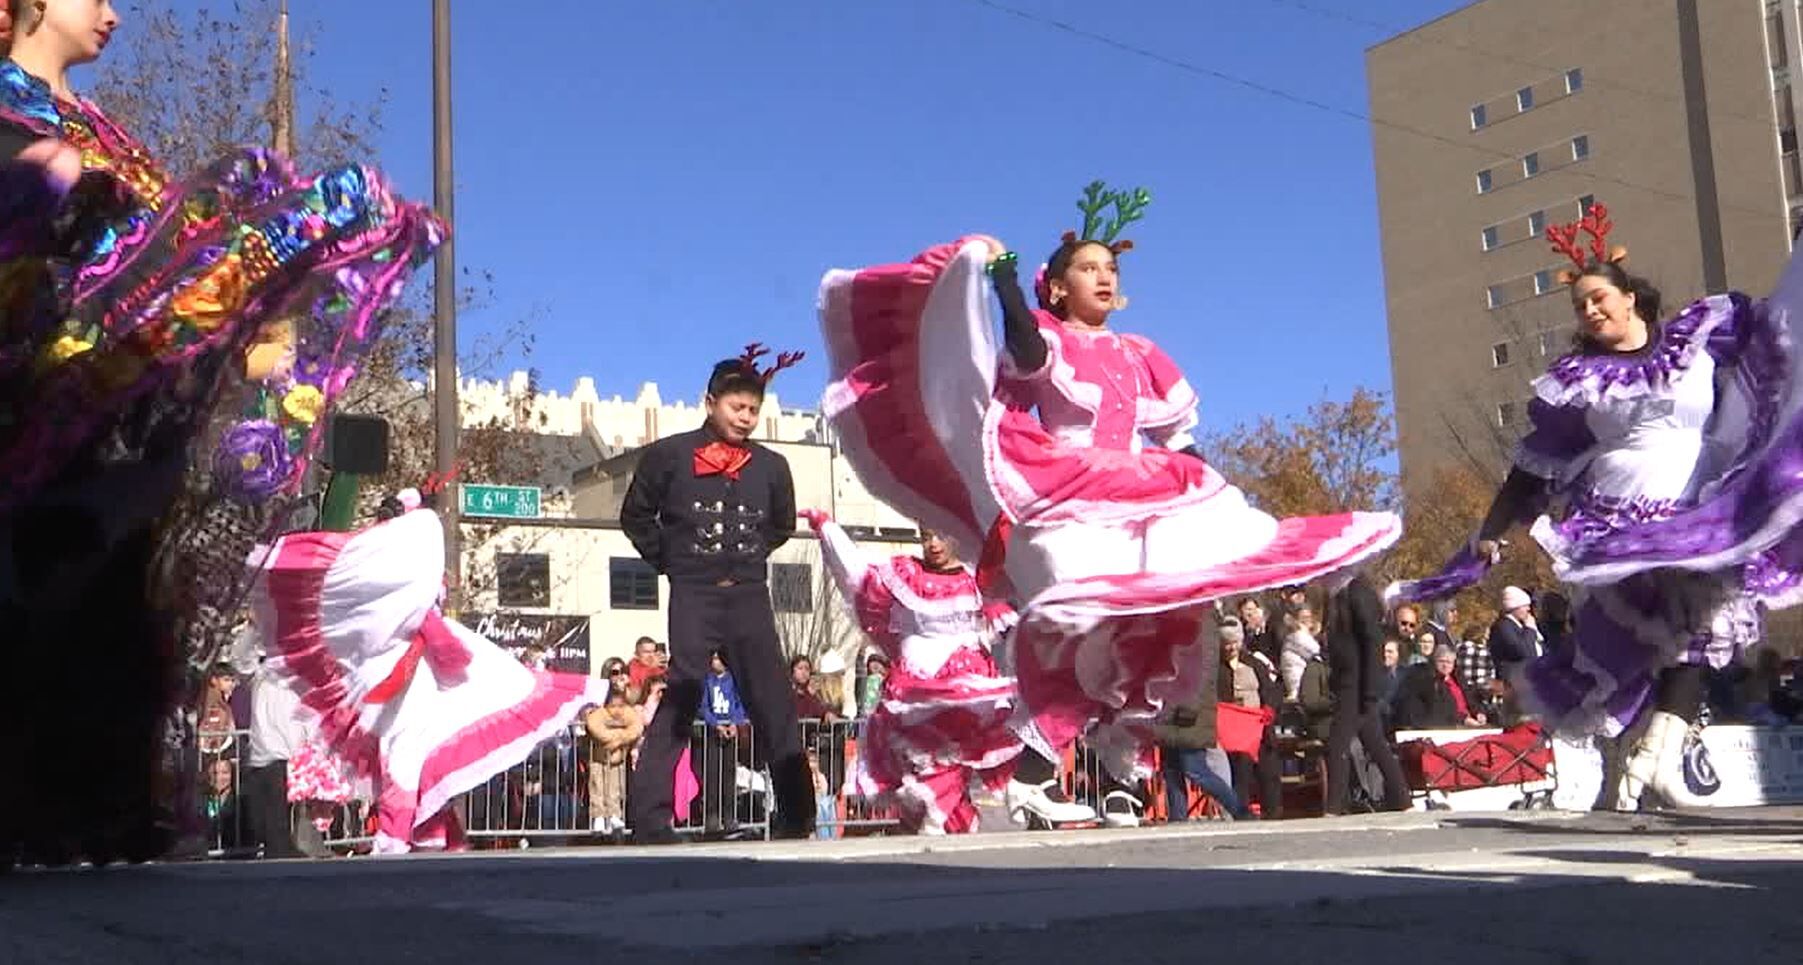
<point x="1027" y="802"/>
<point x="1668" y="778"/>
<point x="1121" y="810"/>
<point x="1640" y="768"/>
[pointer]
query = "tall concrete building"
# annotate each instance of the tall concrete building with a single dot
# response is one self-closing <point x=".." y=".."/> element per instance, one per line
<point x="1509" y="115"/>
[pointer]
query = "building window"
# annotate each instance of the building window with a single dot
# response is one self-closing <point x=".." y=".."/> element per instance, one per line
<point x="1524" y="99"/>
<point x="1499" y="354"/>
<point x="1490" y="237"/>
<point x="1483" y="182"/>
<point x="1580" y="147"/>
<point x="792" y="587"/>
<point x="1530" y="165"/>
<point x="1505" y="414"/>
<point x="523" y="579"/>
<point x="1574" y="80"/>
<point x="1494" y="297"/>
<point x="631" y="584"/>
<point x="1585" y="203"/>
<point x="1479" y="117"/>
<point x="1536" y="224"/>
<point x="1543" y="282"/>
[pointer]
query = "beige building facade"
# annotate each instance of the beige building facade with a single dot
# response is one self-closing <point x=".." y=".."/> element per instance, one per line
<point x="1507" y="116"/>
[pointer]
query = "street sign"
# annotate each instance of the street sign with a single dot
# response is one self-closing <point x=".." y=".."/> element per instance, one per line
<point x="506" y="502"/>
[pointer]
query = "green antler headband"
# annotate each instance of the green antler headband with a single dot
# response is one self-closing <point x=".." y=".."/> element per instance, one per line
<point x="1104" y="227"/>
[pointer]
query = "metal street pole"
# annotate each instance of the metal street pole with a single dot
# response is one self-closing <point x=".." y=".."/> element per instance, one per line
<point x="444" y="315"/>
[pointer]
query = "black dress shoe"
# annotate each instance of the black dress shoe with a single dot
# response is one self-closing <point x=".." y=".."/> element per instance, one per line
<point x="656" y="836"/>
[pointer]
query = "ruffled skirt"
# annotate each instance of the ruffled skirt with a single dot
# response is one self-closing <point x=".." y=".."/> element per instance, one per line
<point x="421" y="704"/>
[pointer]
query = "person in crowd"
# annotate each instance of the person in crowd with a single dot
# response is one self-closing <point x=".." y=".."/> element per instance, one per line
<point x="1407" y="621"/>
<point x="1314" y="696"/>
<point x="1431" y="697"/>
<point x="828" y="684"/>
<point x="619" y="677"/>
<point x="1552" y="615"/>
<point x="1443" y="616"/>
<point x="870" y="690"/>
<point x="808" y="705"/>
<point x="727" y="724"/>
<point x="706" y="508"/>
<point x="219" y="805"/>
<point x="1355" y="634"/>
<point x="1299" y="647"/>
<point x="614" y="729"/>
<point x="647" y="662"/>
<point x="1476" y="668"/>
<point x="1250" y="679"/>
<point x="1422" y="653"/>
<point x="276" y="735"/>
<point x="1261" y="636"/>
<point x="1389" y="678"/>
<point x="1515" y="637"/>
<point x="1189" y="751"/>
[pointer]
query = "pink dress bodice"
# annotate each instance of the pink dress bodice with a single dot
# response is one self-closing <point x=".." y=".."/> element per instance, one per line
<point x="1105" y="390"/>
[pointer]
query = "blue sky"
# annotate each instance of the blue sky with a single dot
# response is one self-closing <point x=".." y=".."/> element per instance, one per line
<point x="653" y="184"/>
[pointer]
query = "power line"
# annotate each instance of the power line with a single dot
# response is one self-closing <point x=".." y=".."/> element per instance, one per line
<point x="1311" y="103"/>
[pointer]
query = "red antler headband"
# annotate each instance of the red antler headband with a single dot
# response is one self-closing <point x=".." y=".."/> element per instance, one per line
<point x="756" y="350"/>
<point x="1596" y="224"/>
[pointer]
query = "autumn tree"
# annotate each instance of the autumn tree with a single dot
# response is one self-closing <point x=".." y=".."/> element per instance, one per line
<point x="1333" y="459"/>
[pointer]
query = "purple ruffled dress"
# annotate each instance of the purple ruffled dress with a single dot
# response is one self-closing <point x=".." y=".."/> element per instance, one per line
<point x="1681" y="471"/>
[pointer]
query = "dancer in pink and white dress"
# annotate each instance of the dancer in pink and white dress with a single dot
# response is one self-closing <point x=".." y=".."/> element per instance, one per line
<point x="943" y="722"/>
<point x="421" y="704"/>
<point x="1069" y="457"/>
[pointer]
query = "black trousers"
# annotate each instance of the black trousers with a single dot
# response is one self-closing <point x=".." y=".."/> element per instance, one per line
<point x="1349" y="723"/>
<point x="738" y="621"/>
<point x="1260" y="777"/>
<point x="718" y="759"/>
<point x="268" y="816"/>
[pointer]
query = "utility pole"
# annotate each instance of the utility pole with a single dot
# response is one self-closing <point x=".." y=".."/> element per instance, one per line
<point x="281" y="113"/>
<point x="444" y="315"/>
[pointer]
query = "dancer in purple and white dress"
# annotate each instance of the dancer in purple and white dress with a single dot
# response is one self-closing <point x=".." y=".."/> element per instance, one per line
<point x="1675" y="448"/>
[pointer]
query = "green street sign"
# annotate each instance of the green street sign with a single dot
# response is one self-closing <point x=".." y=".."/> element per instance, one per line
<point x="506" y="502"/>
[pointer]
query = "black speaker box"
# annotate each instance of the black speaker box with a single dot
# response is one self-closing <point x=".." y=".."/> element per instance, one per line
<point x="357" y="444"/>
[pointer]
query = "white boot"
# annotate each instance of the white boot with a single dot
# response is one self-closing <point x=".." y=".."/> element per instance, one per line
<point x="1121" y="810"/>
<point x="1027" y="802"/>
<point x="1668" y="778"/>
<point x="1641" y="766"/>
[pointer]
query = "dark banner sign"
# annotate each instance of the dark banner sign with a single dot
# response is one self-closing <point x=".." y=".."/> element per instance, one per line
<point x="564" y="639"/>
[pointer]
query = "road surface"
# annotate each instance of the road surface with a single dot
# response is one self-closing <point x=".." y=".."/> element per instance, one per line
<point x="1407" y="889"/>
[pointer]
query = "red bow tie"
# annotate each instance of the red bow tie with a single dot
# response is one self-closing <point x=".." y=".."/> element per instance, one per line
<point x="719" y="458"/>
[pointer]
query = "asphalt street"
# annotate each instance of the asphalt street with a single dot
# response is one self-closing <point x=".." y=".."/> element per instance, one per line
<point x="1415" y="889"/>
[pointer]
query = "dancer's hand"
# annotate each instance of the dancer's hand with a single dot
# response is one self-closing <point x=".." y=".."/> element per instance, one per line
<point x="816" y="518"/>
<point x="996" y="248"/>
<point x="62" y="162"/>
<point x="1489" y="549"/>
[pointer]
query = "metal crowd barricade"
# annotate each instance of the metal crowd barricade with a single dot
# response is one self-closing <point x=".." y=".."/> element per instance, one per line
<point x="565" y="793"/>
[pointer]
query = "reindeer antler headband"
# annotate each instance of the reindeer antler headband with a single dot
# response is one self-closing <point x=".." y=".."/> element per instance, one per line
<point x="755" y="351"/>
<point x="1129" y="206"/>
<point x="1596" y="224"/>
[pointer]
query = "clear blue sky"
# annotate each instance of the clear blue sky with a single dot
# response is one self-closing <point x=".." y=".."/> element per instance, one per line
<point x="655" y="183"/>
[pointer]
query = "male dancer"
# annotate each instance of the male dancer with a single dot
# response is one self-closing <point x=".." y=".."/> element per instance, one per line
<point x="706" y="508"/>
